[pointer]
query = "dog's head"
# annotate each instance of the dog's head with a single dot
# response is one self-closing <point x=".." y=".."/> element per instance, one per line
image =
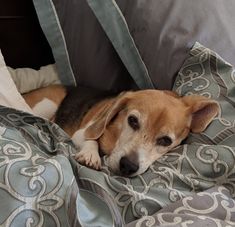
<point x="139" y="127"/>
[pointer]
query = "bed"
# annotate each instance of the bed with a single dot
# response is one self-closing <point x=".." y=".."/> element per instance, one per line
<point x="132" y="45"/>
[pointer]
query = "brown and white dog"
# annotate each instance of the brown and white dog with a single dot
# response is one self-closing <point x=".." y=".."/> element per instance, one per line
<point x="133" y="128"/>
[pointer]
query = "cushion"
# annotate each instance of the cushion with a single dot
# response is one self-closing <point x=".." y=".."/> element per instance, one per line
<point x="28" y="79"/>
<point x="9" y="95"/>
<point x="95" y="36"/>
<point x="188" y="169"/>
<point x="165" y="30"/>
<point x="70" y="28"/>
<point x="206" y="73"/>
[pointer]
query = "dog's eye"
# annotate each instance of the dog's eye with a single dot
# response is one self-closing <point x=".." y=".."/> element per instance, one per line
<point x="133" y="122"/>
<point x="164" y="141"/>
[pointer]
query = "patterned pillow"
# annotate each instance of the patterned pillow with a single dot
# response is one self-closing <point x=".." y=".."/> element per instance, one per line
<point x="188" y="169"/>
<point x="205" y="73"/>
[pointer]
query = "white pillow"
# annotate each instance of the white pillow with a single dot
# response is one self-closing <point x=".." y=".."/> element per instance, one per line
<point x="27" y="79"/>
<point x="9" y="96"/>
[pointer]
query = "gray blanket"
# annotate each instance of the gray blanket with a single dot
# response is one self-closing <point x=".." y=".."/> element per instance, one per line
<point x="214" y="207"/>
<point x="36" y="179"/>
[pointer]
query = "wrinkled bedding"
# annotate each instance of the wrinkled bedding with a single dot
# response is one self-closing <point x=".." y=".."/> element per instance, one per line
<point x="205" y="160"/>
<point x="213" y="207"/>
<point x="192" y="185"/>
<point x="36" y="179"/>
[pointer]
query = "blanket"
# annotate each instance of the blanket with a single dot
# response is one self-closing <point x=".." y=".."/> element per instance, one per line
<point x="36" y="178"/>
<point x="213" y="207"/>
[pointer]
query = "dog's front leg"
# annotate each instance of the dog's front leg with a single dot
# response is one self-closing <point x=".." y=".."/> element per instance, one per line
<point x="89" y="154"/>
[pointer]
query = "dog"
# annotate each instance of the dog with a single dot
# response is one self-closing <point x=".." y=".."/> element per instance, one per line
<point x="133" y="128"/>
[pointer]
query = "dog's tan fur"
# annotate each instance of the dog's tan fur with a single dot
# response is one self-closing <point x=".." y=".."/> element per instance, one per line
<point x="160" y="114"/>
<point x="54" y="93"/>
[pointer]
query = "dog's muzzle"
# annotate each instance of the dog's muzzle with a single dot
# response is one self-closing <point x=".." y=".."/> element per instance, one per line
<point x="127" y="167"/>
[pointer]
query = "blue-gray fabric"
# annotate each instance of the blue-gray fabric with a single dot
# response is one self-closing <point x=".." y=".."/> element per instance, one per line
<point x="50" y="25"/>
<point x="36" y="179"/>
<point x="93" y="65"/>
<point x="202" y="209"/>
<point x="163" y="31"/>
<point x="115" y="26"/>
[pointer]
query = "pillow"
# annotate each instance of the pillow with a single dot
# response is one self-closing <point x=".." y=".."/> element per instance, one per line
<point x="163" y="31"/>
<point x="70" y="28"/>
<point x="188" y="169"/>
<point x="9" y="96"/>
<point x="27" y="79"/>
<point x="206" y="73"/>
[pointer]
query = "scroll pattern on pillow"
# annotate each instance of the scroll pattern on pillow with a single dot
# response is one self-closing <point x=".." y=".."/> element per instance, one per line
<point x="206" y="73"/>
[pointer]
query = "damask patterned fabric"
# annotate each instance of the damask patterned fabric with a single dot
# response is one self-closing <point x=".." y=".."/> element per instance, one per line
<point x="190" y="168"/>
<point x="214" y="207"/>
<point x="205" y="73"/>
<point x="36" y="179"/>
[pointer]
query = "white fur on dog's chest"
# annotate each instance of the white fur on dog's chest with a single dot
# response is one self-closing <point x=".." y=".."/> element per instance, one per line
<point x="78" y="137"/>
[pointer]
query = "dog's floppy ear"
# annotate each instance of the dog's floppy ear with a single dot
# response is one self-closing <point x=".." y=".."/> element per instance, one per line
<point x="203" y="111"/>
<point x="171" y="93"/>
<point x="96" y="129"/>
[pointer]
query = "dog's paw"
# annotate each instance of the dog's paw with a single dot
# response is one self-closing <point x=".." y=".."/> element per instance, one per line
<point x="89" y="158"/>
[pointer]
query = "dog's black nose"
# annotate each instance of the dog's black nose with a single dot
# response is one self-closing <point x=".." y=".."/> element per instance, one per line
<point x="127" y="167"/>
